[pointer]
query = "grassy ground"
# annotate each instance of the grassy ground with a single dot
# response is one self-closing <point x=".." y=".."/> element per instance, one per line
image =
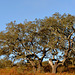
<point x="16" y="71"/>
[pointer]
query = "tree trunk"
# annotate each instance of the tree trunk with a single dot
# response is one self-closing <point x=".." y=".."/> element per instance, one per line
<point x="34" y="69"/>
<point x="54" y="69"/>
<point x="39" y="65"/>
<point x="54" y="66"/>
<point x="34" y="65"/>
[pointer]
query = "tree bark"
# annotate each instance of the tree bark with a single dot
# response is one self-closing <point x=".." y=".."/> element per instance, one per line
<point x="54" y="69"/>
<point x="33" y="65"/>
<point x="54" y="66"/>
<point x="39" y="65"/>
<point x="34" y="69"/>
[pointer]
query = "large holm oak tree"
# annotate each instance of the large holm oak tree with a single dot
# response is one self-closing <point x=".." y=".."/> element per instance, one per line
<point x="61" y="38"/>
<point x="39" y="39"/>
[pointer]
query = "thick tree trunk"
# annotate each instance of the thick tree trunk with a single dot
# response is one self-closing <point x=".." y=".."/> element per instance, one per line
<point x="54" y="66"/>
<point x="54" y="69"/>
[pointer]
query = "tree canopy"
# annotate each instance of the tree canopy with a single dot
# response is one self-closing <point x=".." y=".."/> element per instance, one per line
<point x="39" y="39"/>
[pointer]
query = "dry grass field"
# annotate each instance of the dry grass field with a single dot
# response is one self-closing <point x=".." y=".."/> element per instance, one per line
<point x="15" y="71"/>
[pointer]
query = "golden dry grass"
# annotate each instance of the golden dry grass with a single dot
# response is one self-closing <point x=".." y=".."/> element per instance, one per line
<point x="14" y="71"/>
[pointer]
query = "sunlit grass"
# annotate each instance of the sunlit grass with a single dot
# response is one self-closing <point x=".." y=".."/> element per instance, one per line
<point x="16" y="71"/>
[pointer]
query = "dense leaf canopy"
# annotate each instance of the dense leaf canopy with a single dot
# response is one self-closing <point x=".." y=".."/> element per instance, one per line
<point x="42" y="38"/>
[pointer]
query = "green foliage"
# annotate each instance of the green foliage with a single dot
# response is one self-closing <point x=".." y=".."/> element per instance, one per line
<point x="35" y="40"/>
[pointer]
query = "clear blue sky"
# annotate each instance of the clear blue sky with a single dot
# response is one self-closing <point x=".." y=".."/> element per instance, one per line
<point x="20" y="10"/>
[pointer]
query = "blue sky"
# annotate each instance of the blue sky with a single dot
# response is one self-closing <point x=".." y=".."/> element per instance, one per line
<point x="20" y="10"/>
